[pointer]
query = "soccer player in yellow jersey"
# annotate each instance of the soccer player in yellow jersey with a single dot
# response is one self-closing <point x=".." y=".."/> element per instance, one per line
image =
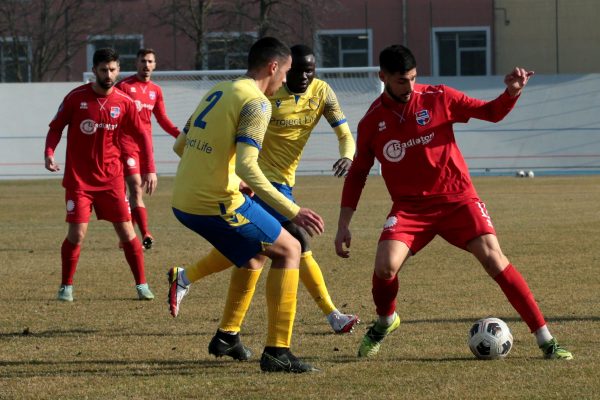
<point x="221" y="146"/>
<point x="297" y="108"/>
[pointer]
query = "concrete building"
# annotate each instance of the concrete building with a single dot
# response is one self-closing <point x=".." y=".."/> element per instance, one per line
<point x="448" y="37"/>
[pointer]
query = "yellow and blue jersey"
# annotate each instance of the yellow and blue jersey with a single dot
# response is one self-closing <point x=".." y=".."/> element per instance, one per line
<point x="206" y="182"/>
<point x="294" y="116"/>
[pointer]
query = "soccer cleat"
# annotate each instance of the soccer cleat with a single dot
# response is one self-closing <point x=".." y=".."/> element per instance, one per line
<point x="148" y="241"/>
<point x="371" y="342"/>
<point x="65" y="293"/>
<point x="343" y="323"/>
<point x="225" y="344"/>
<point x="552" y="350"/>
<point x="144" y="292"/>
<point x="283" y="362"/>
<point x="177" y="289"/>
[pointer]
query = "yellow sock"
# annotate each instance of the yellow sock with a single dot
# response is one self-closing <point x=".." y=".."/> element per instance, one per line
<point x="241" y="289"/>
<point x="282" y="288"/>
<point x="312" y="278"/>
<point x="211" y="263"/>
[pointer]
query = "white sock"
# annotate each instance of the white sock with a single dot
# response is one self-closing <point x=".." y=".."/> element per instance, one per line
<point x="387" y="320"/>
<point x="542" y="335"/>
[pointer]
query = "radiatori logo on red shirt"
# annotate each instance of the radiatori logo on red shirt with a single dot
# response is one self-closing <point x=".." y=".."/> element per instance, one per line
<point x="395" y="150"/>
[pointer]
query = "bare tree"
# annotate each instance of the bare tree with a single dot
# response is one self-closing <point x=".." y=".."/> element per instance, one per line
<point x="188" y="17"/>
<point x="293" y="21"/>
<point x="45" y="34"/>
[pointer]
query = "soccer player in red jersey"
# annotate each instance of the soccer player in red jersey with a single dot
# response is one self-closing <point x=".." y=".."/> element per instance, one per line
<point x="98" y="114"/>
<point x="148" y="98"/>
<point x="409" y="130"/>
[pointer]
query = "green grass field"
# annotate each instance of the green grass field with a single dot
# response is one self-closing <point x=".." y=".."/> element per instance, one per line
<point x="107" y="345"/>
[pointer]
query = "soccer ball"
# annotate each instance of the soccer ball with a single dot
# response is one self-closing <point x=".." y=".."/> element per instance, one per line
<point x="490" y="339"/>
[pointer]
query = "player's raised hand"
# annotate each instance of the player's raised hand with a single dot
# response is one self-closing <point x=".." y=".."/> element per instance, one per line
<point x="51" y="164"/>
<point x="343" y="239"/>
<point x="310" y="221"/>
<point x="516" y="80"/>
<point x="341" y="167"/>
<point x="150" y="181"/>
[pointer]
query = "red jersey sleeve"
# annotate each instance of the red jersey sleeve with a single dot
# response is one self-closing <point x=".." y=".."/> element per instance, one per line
<point x="462" y="107"/>
<point x="57" y="125"/>
<point x="161" y="115"/>
<point x="362" y="164"/>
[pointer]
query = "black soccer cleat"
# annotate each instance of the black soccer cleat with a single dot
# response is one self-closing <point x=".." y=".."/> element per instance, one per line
<point x="277" y="359"/>
<point x="224" y="344"/>
<point x="148" y="242"/>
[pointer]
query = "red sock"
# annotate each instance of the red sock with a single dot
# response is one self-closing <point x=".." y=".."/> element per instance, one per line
<point x="518" y="294"/>
<point x="69" y="254"/>
<point x="384" y="294"/>
<point x="135" y="259"/>
<point x="140" y="217"/>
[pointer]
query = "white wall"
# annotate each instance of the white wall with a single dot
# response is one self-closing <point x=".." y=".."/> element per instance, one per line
<point x="555" y="126"/>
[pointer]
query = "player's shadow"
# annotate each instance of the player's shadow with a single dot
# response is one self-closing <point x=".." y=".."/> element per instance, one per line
<point x="561" y="318"/>
<point x="116" y="368"/>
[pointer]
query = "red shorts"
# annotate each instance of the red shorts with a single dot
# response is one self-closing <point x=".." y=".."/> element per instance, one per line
<point x="110" y="205"/>
<point x="457" y="223"/>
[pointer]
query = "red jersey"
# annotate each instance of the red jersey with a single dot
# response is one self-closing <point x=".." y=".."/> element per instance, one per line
<point x="95" y="124"/>
<point x="148" y="99"/>
<point x="415" y="144"/>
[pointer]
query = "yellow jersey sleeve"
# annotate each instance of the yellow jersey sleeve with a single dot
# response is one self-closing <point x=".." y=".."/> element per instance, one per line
<point x="337" y="120"/>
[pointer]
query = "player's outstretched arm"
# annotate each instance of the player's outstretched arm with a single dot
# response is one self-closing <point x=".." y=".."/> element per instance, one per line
<point x="343" y="236"/>
<point x="516" y="80"/>
<point x="341" y="167"/>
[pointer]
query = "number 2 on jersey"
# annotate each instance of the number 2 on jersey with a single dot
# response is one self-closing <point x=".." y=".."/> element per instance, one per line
<point x="212" y="100"/>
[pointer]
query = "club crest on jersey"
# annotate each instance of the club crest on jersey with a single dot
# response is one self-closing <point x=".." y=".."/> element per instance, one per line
<point x="132" y="90"/>
<point x="115" y="112"/>
<point x="83" y="105"/>
<point x="422" y="117"/>
<point x="313" y="103"/>
<point x="152" y="95"/>
<point x="277" y="103"/>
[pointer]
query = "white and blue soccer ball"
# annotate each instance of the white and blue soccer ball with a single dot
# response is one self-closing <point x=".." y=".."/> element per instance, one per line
<point x="490" y="339"/>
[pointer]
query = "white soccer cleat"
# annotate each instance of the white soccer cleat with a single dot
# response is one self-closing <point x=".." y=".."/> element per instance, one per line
<point x="144" y="292"/>
<point x="65" y="293"/>
<point x="177" y="289"/>
<point x="343" y="323"/>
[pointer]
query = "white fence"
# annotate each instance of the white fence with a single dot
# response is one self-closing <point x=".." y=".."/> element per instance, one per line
<point x="555" y="127"/>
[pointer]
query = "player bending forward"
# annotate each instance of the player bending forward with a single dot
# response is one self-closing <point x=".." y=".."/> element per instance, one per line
<point x="224" y="136"/>
<point x="297" y="108"/>
<point x="409" y="129"/>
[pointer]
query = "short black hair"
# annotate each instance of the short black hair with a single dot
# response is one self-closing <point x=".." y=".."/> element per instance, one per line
<point x="265" y="50"/>
<point x="397" y="58"/>
<point x="300" y="50"/>
<point x="143" y="51"/>
<point x="105" y="55"/>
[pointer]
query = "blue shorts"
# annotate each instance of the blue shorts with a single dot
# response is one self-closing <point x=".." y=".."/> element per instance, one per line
<point x="284" y="190"/>
<point x="240" y="235"/>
